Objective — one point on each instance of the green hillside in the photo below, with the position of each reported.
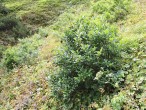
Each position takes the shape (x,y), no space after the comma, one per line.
(72,55)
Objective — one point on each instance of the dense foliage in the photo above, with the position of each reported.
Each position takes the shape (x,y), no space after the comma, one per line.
(89,61)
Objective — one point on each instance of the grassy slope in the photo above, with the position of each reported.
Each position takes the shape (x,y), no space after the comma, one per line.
(27,86)
(38,12)
(32,15)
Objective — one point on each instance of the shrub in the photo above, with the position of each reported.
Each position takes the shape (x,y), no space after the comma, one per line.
(24,53)
(88,62)
(20,31)
(3,10)
(113,10)
(7,23)
(10,22)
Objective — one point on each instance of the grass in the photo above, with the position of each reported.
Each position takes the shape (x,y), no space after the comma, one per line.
(39,12)
(36,13)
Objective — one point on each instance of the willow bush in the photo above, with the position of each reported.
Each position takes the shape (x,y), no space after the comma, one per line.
(88,62)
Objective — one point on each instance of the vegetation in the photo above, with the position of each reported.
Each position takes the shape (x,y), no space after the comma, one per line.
(113,10)
(90,55)
(72,55)
(10,22)
(25,52)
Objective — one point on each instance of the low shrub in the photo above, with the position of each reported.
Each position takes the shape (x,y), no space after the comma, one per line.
(89,64)
(11,26)
(10,22)
(7,23)
(24,53)
(3,9)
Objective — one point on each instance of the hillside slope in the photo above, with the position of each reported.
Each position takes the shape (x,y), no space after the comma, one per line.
(26,86)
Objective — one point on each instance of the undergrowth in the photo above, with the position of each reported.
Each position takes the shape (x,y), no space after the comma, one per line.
(25,52)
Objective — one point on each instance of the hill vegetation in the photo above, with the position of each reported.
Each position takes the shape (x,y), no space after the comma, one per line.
(72,55)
